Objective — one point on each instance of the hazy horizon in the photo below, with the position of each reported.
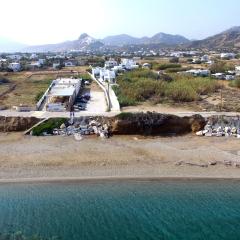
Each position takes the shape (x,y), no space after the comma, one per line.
(45,22)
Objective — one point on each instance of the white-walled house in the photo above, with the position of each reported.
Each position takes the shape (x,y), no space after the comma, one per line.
(70,63)
(129,64)
(220,76)
(198,72)
(205,58)
(33,56)
(34,65)
(41,61)
(15,57)
(111,63)
(237,70)
(228,55)
(16,67)
(96,71)
(117,69)
(107,76)
(56,65)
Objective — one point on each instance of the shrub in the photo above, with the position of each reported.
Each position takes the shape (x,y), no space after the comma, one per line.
(176,70)
(133,88)
(165,66)
(48,126)
(181,92)
(174,60)
(221,67)
(235,83)
(124,115)
(38,96)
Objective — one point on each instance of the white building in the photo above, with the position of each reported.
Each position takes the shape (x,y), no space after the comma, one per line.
(205,58)
(15,57)
(111,63)
(96,71)
(16,67)
(35,65)
(41,61)
(70,63)
(198,72)
(117,69)
(229,77)
(33,56)
(129,64)
(56,65)
(62,94)
(220,76)
(228,55)
(237,70)
(107,76)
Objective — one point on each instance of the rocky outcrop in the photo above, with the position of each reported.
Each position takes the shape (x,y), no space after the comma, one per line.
(156,124)
(15,124)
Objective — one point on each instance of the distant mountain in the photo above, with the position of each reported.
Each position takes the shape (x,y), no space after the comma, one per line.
(83,43)
(7,45)
(86,42)
(169,39)
(227,39)
(160,38)
(120,40)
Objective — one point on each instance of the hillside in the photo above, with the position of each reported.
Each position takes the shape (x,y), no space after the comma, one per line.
(86,42)
(159,38)
(227,39)
(83,43)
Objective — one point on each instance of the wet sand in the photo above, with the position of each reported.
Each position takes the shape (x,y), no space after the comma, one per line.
(26,158)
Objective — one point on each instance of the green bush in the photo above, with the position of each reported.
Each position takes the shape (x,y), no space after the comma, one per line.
(176,70)
(48,126)
(235,83)
(221,67)
(38,96)
(180,92)
(134,88)
(124,115)
(165,66)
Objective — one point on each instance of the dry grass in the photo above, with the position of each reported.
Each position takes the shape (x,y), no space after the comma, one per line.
(26,88)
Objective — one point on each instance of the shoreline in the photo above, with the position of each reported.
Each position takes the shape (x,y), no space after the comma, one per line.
(111,179)
(26,159)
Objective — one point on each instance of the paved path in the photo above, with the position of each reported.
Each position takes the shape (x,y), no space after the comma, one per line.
(44,114)
(97,102)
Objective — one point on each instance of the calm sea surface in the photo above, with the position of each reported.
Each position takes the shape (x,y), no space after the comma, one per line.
(139,210)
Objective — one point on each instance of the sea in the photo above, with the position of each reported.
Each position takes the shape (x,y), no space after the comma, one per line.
(121,210)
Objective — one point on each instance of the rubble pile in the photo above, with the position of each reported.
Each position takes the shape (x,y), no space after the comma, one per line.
(221,127)
(81,127)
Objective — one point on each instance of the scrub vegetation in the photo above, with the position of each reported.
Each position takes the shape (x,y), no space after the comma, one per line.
(142,85)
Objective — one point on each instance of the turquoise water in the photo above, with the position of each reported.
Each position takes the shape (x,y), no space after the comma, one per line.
(138,210)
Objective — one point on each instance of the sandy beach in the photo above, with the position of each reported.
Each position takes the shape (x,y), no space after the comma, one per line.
(26,158)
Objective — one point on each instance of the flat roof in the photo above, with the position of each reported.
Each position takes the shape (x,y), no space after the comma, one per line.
(67,81)
(64,92)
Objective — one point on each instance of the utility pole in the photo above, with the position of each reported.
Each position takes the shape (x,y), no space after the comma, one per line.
(221,99)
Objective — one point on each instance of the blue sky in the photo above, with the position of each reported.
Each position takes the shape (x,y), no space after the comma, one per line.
(50,21)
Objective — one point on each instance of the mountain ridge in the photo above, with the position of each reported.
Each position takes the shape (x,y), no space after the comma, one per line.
(229,38)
